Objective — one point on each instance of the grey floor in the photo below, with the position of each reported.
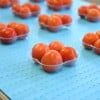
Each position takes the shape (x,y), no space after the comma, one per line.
(94,1)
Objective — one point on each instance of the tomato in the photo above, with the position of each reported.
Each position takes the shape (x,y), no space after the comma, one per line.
(93,6)
(43,20)
(56,4)
(68,53)
(14,1)
(97,46)
(51,61)
(24,12)
(54,23)
(35,9)
(58,15)
(5,3)
(89,40)
(98,33)
(83,10)
(67,3)
(13,25)
(66,19)
(56,45)
(97,43)
(16,9)
(93,15)
(22,30)
(39,50)
(27,4)
(2,26)
(50,2)
(8,35)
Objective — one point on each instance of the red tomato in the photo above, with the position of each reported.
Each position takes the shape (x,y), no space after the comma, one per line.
(89,39)
(93,6)
(2,26)
(54,23)
(67,3)
(66,19)
(68,53)
(98,33)
(24,12)
(8,35)
(39,50)
(27,4)
(13,25)
(14,1)
(43,20)
(5,3)
(93,15)
(55,4)
(58,15)
(16,9)
(56,45)
(22,30)
(35,9)
(49,2)
(51,61)
(83,10)
(97,46)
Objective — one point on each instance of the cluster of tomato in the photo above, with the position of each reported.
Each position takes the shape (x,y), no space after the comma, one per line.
(92,41)
(37,0)
(91,12)
(59,4)
(13,31)
(55,21)
(7,3)
(26,10)
(54,55)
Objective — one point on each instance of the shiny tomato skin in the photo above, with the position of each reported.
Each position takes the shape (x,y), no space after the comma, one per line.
(89,39)
(58,15)
(93,15)
(43,20)
(13,25)
(66,19)
(22,30)
(27,4)
(93,6)
(50,2)
(16,7)
(67,2)
(98,34)
(24,12)
(39,50)
(54,23)
(51,61)
(56,45)
(35,9)
(68,53)
(14,1)
(97,47)
(8,36)
(2,26)
(5,3)
(82,11)
(55,4)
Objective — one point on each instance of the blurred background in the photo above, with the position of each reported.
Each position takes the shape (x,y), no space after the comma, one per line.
(95,1)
